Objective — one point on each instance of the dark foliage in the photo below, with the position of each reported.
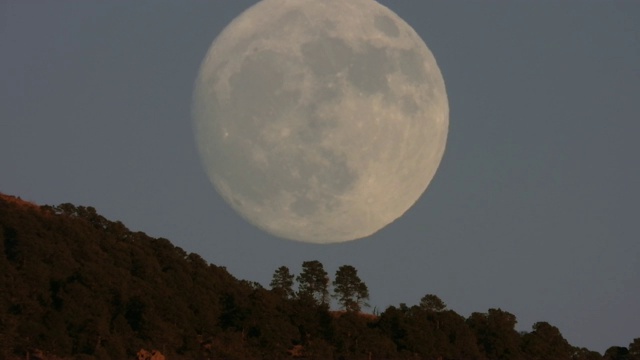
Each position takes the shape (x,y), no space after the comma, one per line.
(313,282)
(350,291)
(76,285)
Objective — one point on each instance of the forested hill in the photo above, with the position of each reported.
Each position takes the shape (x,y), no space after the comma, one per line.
(76,285)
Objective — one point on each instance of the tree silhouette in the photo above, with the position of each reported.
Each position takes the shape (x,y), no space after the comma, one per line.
(282,282)
(431,302)
(313,282)
(496,334)
(546,342)
(634,349)
(351,292)
(617,353)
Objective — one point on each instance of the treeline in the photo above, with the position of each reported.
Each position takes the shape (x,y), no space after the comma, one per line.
(313,286)
(74,285)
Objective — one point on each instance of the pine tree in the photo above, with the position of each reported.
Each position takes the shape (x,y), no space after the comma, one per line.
(282,282)
(432,303)
(313,282)
(351,292)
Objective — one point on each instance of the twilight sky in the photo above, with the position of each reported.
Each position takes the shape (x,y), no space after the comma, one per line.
(534,208)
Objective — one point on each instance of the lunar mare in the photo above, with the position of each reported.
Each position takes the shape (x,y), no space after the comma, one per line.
(320,121)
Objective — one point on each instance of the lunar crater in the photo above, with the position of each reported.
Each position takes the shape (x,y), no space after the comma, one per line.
(386,25)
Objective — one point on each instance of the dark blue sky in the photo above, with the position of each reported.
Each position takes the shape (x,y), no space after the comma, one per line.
(534,208)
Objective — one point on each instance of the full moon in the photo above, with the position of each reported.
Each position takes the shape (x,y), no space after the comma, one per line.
(320,121)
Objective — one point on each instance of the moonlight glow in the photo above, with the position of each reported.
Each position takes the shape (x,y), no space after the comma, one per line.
(320,121)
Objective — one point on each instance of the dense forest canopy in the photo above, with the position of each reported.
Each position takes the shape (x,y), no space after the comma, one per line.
(76,285)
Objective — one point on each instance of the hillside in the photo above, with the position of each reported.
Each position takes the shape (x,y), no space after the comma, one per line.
(76,285)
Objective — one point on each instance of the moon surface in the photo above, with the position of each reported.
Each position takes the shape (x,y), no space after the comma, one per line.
(320,121)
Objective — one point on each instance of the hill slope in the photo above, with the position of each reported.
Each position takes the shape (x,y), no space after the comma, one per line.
(76,285)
